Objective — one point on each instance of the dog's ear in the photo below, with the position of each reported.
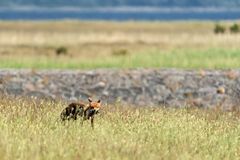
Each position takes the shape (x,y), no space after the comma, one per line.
(99,101)
(89,99)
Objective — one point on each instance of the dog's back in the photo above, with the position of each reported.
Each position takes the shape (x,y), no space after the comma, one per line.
(72,111)
(87,112)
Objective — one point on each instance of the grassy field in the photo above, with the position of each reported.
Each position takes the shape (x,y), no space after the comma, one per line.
(88,45)
(193,59)
(31,129)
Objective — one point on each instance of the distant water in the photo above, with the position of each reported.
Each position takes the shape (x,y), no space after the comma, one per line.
(118,14)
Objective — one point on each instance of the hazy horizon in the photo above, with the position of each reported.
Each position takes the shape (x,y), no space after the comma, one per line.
(121,3)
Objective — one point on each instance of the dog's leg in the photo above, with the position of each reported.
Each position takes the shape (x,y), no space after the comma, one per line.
(92,122)
(82,120)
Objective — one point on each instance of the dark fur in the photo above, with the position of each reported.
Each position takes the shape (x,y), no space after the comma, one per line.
(72,111)
(75,110)
(89,114)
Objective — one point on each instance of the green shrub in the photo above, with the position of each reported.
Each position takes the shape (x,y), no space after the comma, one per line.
(234,28)
(120,52)
(61,51)
(219,29)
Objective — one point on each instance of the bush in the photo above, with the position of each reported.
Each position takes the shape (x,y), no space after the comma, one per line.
(120,52)
(219,29)
(61,51)
(234,28)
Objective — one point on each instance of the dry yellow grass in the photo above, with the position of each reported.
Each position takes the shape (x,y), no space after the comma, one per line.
(23,43)
(31,129)
(89,37)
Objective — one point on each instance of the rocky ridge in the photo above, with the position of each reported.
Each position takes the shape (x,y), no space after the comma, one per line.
(143,87)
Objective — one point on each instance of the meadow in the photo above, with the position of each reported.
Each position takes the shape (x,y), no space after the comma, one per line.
(99,44)
(31,129)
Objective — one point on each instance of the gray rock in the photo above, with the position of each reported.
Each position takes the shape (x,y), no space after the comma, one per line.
(143,87)
(38,94)
(14,88)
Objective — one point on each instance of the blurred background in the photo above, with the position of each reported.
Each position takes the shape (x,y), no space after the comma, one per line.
(54,47)
(119,33)
(120,9)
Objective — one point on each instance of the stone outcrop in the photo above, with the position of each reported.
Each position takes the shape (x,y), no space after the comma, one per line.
(143,87)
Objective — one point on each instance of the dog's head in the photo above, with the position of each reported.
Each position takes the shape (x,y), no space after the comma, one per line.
(94,105)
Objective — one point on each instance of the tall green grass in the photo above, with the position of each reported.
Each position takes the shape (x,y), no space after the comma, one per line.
(182,58)
(31,129)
